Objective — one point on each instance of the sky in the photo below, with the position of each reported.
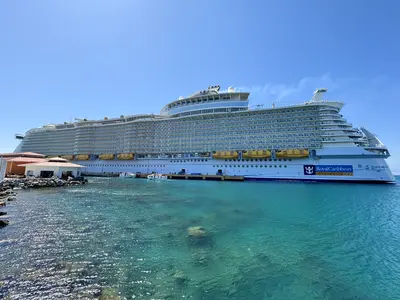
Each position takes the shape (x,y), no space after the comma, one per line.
(61,60)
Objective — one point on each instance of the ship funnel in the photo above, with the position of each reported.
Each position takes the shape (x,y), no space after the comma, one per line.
(318,95)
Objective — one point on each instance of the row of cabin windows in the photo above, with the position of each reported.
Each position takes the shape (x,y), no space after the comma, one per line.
(189,160)
(198,100)
(246,166)
(234,160)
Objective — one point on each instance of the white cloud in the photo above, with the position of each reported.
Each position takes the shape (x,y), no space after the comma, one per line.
(297,92)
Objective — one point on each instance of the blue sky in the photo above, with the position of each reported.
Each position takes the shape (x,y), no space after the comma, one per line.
(90,59)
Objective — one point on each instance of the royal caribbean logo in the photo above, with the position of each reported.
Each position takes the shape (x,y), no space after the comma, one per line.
(309,170)
(328,170)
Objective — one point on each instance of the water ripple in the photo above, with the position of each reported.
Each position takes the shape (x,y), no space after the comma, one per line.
(265,241)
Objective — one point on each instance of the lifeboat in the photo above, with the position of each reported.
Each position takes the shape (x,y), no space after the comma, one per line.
(256,154)
(225,155)
(82,157)
(292,153)
(107,156)
(69,157)
(125,156)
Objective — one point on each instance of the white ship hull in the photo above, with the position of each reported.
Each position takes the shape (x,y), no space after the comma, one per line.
(335,169)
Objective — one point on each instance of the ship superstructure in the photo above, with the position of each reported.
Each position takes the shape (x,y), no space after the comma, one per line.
(214,131)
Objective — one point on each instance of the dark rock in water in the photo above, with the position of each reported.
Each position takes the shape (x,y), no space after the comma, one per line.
(263,257)
(4,222)
(109,294)
(74,182)
(168,235)
(200,257)
(180,278)
(140,220)
(12,198)
(2,213)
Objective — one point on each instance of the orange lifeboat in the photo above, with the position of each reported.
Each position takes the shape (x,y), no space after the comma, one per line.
(107,156)
(82,157)
(256,154)
(125,156)
(292,153)
(225,155)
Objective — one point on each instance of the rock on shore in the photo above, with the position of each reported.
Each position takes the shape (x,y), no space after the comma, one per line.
(3,221)
(6,186)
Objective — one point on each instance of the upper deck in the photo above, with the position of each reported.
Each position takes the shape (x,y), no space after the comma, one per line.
(207,101)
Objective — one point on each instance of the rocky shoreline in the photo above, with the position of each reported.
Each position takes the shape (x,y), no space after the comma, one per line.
(8,189)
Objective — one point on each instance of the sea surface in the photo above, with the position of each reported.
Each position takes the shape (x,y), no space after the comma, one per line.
(263,240)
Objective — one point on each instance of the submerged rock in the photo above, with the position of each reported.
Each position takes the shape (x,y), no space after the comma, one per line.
(201,257)
(11,198)
(109,294)
(199,237)
(197,231)
(180,278)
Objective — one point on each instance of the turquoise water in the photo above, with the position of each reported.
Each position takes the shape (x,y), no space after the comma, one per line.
(265,240)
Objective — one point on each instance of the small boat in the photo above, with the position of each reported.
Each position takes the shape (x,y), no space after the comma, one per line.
(127,175)
(157,177)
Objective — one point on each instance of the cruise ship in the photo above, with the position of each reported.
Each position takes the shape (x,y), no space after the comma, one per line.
(215,131)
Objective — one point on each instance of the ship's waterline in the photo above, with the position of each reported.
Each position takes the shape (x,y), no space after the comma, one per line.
(215,132)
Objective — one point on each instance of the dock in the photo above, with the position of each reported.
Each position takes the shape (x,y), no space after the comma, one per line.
(198,177)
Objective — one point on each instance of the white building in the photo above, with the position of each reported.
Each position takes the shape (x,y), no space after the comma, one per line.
(3,167)
(50,168)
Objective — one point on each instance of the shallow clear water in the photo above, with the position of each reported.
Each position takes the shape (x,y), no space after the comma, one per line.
(267,240)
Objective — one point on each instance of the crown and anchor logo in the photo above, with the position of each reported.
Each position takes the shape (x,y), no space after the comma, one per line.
(309,170)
